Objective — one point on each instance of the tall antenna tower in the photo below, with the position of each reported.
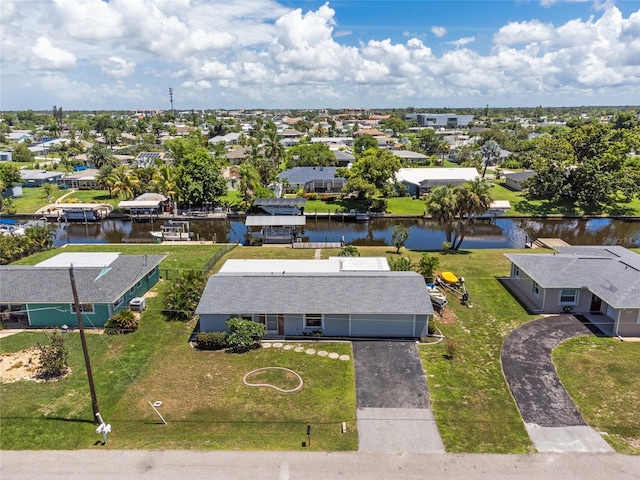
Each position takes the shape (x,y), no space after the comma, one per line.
(171,97)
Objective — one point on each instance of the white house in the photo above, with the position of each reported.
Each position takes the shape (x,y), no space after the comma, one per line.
(421,180)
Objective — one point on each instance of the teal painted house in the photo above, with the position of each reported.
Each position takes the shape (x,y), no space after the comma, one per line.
(42,296)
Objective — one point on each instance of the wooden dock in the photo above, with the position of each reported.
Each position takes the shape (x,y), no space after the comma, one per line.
(549,243)
(316,245)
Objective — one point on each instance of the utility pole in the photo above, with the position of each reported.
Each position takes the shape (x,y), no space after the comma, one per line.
(92,388)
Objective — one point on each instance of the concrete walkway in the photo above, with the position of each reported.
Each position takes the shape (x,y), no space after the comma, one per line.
(393,413)
(552,419)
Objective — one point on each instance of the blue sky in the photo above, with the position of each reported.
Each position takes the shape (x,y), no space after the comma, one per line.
(125,54)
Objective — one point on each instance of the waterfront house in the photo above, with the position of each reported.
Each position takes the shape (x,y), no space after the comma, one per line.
(600,282)
(41,295)
(340,296)
(421,180)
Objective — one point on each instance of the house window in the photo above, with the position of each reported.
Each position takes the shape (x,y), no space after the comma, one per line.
(84,308)
(516,271)
(139,284)
(132,289)
(535,289)
(118,302)
(568,296)
(313,320)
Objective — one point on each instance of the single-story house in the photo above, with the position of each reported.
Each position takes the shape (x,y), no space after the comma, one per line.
(421,180)
(41,294)
(514,180)
(601,282)
(408,156)
(342,297)
(5,156)
(237,155)
(149,159)
(36,178)
(230,138)
(83,180)
(313,179)
(343,158)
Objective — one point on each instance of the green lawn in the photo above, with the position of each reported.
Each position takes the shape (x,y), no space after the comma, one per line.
(472,404)
(204,400)
(523,207)
(602,377)
(93,196)
(34,198)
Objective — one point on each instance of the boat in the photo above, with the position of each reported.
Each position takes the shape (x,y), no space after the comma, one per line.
(438,298)
(452,282)
(174,231)
(11,229)
(357,216)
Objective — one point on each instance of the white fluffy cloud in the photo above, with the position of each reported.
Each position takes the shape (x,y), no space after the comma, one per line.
(117,67)
(439,31)
(260,53)
(48,57)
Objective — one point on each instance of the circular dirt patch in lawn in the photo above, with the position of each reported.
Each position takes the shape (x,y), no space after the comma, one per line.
(446,316)
(23,365)
(278,378)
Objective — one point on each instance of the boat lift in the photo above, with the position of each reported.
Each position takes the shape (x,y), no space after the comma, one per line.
(455,284)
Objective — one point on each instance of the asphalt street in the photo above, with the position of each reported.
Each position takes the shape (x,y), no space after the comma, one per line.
(192,465)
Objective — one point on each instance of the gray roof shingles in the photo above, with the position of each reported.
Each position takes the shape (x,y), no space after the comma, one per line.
(612,273)
(329,293)
(308,174)
(31,284)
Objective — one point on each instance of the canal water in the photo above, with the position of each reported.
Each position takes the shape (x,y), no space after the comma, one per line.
(423,234)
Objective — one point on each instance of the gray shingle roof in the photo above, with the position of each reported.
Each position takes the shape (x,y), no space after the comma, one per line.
(520,176)
(612,273)
(307,174)
(31,284)
(289,293)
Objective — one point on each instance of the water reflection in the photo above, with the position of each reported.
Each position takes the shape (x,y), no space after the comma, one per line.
(423,234)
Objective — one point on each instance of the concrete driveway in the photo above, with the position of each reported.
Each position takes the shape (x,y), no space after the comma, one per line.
(552,419)
(392,397)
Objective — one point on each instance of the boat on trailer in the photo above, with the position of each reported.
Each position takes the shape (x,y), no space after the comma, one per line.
(455,284)
(437,296)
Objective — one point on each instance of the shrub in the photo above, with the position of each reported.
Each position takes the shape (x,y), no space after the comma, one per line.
(311,196)
(451,348)
(378,205)
(244,334)
(54,357)
(349,251)
(212,340)
(427,265)
(402,264)
(327,198)
(124,321)
(184,296)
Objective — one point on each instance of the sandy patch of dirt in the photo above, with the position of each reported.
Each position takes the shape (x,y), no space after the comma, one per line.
(446,317)
(22,365)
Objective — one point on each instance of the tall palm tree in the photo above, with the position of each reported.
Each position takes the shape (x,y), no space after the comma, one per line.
(124,184)
(164,181)
(273,149)
(442,206)
(473,199)
(249,180)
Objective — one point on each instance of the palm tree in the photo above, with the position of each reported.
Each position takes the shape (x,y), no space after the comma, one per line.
(165,181)
(273,149)
(473,199)
(249,180)
(490,151)
(124,184)
(442,206)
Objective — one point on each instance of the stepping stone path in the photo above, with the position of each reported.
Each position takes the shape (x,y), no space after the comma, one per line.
(308,351)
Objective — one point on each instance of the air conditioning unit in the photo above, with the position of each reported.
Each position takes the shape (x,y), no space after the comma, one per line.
(137,304)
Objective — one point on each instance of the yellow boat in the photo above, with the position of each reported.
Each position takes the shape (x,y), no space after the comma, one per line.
(449,277)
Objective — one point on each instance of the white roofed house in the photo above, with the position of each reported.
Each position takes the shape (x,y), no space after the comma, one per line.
(602,283)
(336,297)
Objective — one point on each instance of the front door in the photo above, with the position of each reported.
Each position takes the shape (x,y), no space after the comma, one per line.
(596,304)
(272,323)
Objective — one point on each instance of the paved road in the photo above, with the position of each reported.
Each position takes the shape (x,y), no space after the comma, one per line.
(552,419)
(393,413)
(175,464)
